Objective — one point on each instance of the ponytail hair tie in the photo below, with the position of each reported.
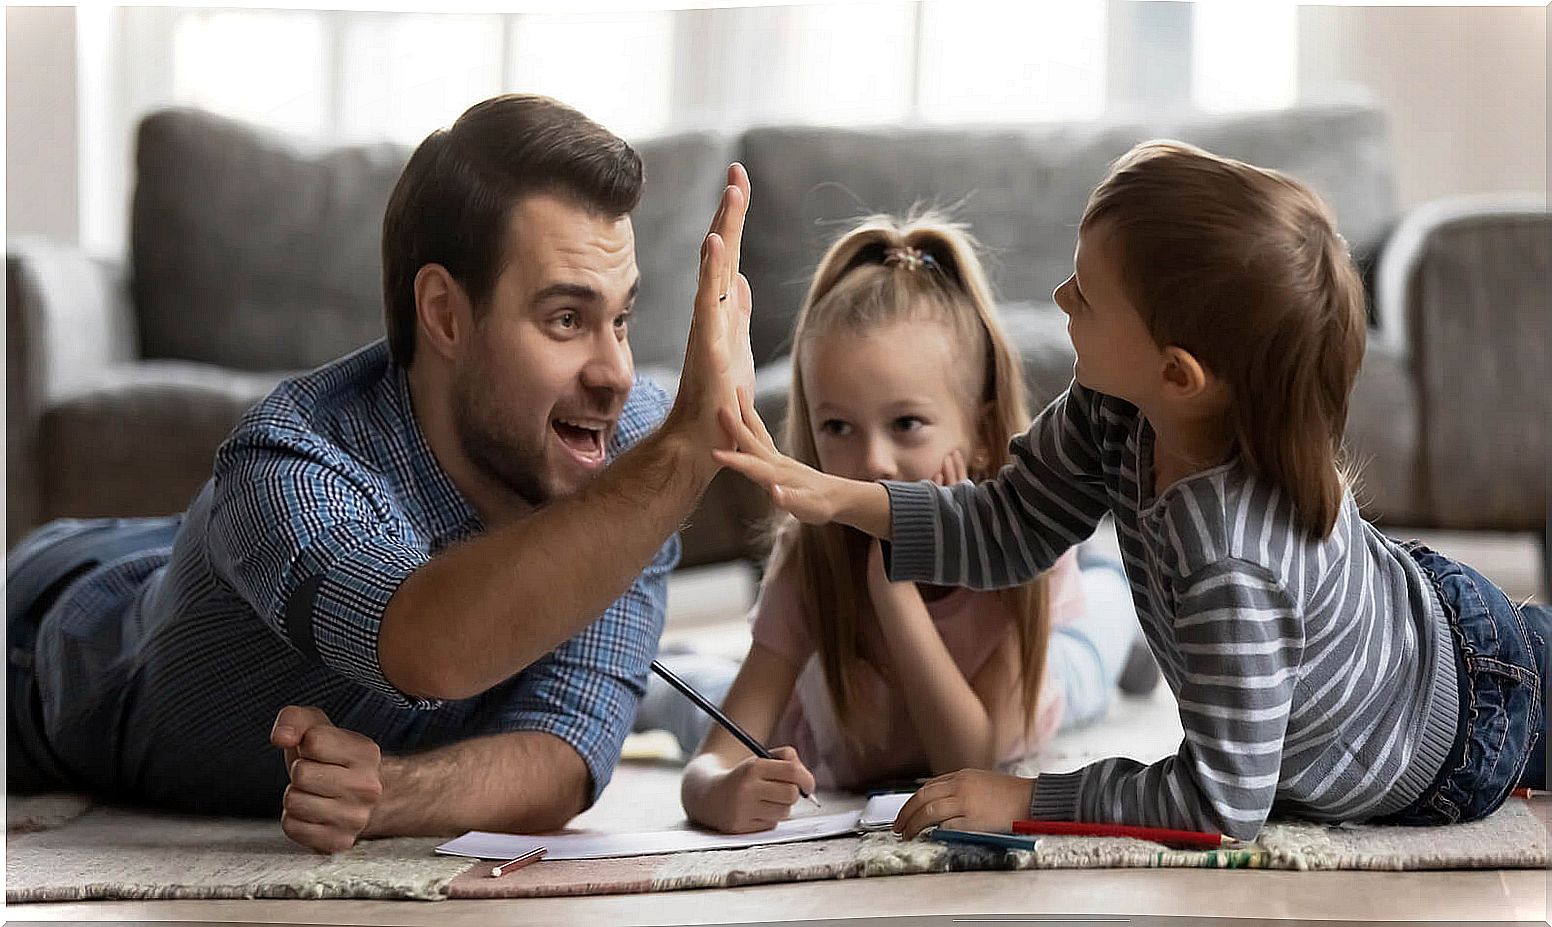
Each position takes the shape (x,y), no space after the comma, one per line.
(910,258)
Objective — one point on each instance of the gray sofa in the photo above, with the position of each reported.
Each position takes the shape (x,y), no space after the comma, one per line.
(253,257)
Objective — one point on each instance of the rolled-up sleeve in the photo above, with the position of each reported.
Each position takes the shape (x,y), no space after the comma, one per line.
(311,549)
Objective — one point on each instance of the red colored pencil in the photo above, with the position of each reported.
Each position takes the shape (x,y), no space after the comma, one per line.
(512,865)
(1530,793)
(1179,838)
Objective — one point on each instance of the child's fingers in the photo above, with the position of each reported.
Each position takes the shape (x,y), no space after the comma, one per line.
(781,794)
(932,804)
(750,466)
(753,421)
(744,439)
(953,469)
(793,770)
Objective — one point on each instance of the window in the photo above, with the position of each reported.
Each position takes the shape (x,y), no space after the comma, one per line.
(1245,55)
(260,66)
(992,62)
(613,67)
(399,77)
(341,76)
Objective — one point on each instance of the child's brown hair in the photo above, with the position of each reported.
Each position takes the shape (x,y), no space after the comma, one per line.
(1243,267)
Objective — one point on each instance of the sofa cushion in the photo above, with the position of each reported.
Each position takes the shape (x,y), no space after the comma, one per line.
(141,438)
(251,251)
(1020,189)
(256,252)
(1382,440)
(685,175)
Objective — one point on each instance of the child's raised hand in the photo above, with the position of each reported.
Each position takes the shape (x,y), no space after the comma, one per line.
(757,794)
(970,799)
(799,490)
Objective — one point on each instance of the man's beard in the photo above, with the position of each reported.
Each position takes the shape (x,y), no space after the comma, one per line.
(502,458)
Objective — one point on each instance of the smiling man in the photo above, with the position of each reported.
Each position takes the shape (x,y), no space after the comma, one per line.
(392,610)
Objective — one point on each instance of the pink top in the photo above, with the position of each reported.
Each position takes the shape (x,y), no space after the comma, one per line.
(972,624)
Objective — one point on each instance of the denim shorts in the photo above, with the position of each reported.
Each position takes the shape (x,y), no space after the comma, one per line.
(1500,664)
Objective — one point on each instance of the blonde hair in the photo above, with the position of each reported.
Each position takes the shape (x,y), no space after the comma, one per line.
(1243,267)
(884,271)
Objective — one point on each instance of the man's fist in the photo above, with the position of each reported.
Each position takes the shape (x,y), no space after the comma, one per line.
(335,779)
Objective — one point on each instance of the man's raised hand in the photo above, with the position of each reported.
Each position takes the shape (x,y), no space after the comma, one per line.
(718,359)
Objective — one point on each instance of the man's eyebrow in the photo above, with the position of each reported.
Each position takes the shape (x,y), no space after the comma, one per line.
(580,291)
(568,290)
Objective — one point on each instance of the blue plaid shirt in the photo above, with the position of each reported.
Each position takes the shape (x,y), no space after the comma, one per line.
(161,673)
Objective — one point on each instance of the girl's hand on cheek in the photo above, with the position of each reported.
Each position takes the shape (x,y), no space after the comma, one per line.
(953,470)
(971,799)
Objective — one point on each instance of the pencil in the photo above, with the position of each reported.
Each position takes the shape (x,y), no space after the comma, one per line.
(1183,838)
(704,704)
(1529,793)
(512,865)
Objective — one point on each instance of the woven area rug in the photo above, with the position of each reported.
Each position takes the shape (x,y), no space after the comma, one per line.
(1514,838)
(67,850)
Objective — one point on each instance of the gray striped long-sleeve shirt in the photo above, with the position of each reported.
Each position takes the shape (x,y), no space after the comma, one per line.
(1316,677)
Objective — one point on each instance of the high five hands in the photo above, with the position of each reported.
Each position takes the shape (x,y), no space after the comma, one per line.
(811,496)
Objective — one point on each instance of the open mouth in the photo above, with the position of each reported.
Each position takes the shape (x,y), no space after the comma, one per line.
(584,438)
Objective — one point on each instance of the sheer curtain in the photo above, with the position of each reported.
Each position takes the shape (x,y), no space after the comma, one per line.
(344,76)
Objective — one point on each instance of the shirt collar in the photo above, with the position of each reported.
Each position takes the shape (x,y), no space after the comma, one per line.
(451,518)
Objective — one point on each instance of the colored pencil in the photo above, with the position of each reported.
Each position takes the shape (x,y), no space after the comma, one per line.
(1180,838)
(512,865)
(981,838)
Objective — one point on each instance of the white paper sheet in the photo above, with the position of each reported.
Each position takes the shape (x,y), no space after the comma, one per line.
(882,810)
(484,845)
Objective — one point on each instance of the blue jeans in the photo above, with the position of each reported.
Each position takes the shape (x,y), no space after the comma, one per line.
(38,570)
(1501,667)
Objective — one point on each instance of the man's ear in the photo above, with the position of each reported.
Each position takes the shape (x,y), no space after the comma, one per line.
(1185,377)
(443,314)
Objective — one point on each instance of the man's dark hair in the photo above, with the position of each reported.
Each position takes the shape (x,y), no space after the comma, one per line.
(452,204)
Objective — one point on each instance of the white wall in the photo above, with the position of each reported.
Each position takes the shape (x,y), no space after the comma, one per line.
(41,136)
(1465,89)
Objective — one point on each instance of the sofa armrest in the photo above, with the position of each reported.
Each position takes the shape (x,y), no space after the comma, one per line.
(68,314)
(67,318)
(1463,295)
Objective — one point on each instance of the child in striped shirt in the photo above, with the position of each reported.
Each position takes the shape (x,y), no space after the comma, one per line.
(1321,669)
